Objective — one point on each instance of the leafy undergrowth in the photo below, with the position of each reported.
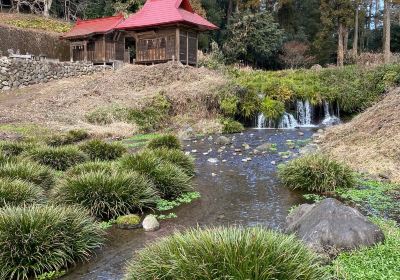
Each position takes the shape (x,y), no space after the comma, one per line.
(378,262)
(37,22)
(374,198)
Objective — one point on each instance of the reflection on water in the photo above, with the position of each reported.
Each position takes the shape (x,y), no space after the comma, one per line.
(233,192)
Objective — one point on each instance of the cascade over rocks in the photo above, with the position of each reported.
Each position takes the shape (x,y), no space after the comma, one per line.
(329,227)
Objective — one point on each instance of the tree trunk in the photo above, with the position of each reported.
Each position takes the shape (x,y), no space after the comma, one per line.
(340,52)
(386,34)
(355,38)
(47,7)
(237,6)
(230,9)
(377,10)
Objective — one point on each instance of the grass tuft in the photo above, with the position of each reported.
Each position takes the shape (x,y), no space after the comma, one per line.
(316,173)
(91,166)
(108,196)
(226,253)
(28,171)
(167,141)
(39,239)
(17,192)
(71,137)
(12,148)
(177,157)
(100,150)
(168,178)
(59,158)
(231,126)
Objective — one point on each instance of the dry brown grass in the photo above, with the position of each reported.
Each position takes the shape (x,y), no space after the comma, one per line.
(63,104)
(371,141)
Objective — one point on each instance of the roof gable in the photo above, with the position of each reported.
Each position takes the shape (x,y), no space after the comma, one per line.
(162,12)
(89,27)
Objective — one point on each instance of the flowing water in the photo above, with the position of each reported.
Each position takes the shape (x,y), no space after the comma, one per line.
(234,191)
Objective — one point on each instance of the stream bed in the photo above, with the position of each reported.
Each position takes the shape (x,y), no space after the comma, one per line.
(237,187)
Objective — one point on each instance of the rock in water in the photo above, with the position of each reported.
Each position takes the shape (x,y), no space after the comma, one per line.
(150,223)
(264,147)
(222,140)
(329,227)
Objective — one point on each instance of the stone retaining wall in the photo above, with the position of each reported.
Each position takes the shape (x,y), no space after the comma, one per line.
(16,73)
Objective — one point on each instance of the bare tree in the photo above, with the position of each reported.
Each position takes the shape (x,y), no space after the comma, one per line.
(386,31)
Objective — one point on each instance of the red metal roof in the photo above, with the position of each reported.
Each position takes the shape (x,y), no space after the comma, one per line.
(162,12)
(84,28)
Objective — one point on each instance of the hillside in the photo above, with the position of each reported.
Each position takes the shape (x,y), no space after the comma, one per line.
(370,142)
(63,104)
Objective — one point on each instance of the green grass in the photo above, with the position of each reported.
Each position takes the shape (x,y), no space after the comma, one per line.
(169,179)
(374,198)
(28,171)
(316,173)
(17,192)
(177,157)
(39,239)
(226,253)
(139,140)
(166,141)
(13,148)
(91,166)
(100,150)
(231,126)
(165,205)
(30,131)
(59,158)
(70,137)
(108,196)
(378,262)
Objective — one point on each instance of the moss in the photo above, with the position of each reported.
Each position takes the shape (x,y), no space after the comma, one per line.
(130,220)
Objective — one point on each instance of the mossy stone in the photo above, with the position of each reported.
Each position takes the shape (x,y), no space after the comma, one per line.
(131,221)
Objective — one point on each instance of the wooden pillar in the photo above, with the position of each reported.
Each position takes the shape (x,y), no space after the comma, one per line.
(177,44)
(104,46)
(85,56)
(71,52)
(187,47)
(197,48)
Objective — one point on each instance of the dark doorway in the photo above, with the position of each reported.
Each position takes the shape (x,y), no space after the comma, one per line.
(130,49)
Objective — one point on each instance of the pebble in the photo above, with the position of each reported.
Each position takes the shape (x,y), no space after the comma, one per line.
(273,162)
(213,160)
(194,151)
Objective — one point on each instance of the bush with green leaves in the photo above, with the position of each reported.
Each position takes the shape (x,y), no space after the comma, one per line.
(14,148)
(58,158)
(231,126)
(98,149)
(316,173)
(43,238)
(226,253)
(91,166)
(28,171)
(71,137)
(272,109)
(170,180)
(108,196)
(16,192)
(177,157)
(167,141)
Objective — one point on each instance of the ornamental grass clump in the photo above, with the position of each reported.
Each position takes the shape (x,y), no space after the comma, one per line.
(58,158)
(177,157)
(231,126)
(28,171)
(17,192)
(167,141)
(100,150)
(91,166)
(316,173)
(71,137)
(226,253)
(42,238)
(170,180)
(108,196)
(12,148)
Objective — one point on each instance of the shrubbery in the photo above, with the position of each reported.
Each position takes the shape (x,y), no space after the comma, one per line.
(28,171)
(17,192)
(91,166)
(169,179)
(59,158)
(38,239)
(100,150)
(316,173)
(106,195)
(231,126)
(71,137)
(165,141)
(177,157)
(226,253)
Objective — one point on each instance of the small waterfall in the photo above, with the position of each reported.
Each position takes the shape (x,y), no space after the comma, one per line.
(288,121)
(329,119)
(261,121)
(304,113)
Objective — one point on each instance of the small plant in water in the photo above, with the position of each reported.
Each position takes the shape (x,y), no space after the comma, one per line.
(52,275)
(164,205)
(166,217)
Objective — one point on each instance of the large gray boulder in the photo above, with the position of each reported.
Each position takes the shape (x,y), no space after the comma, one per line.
(223,140)
(329,227)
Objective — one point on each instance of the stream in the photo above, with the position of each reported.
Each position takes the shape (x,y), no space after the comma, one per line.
(240,189)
